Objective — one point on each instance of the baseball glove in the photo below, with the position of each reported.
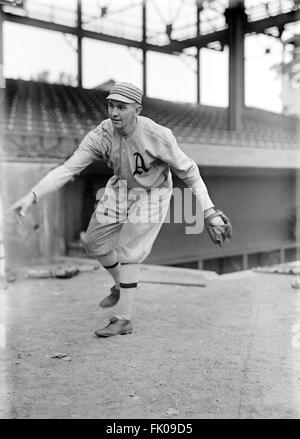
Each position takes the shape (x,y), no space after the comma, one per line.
(218,233)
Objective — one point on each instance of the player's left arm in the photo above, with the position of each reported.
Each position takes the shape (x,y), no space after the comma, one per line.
(217,223)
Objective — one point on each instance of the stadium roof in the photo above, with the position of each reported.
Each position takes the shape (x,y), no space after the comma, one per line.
(171,24)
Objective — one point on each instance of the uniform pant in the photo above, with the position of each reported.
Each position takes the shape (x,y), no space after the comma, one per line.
(127,220)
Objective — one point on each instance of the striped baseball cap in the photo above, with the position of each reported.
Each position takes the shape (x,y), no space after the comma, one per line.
(126,92)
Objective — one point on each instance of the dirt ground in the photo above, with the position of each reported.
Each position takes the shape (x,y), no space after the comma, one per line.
(226,350)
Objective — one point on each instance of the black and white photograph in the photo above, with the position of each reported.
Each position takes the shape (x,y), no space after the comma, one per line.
(149,212)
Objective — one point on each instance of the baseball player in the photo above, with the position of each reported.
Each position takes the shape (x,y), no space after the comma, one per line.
(141,153)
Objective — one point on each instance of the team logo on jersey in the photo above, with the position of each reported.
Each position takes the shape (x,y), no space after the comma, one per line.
(140,166)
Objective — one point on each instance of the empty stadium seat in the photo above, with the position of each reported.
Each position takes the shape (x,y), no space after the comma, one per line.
(63,114)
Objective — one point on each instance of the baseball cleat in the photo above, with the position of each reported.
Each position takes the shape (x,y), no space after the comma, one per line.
(115,327)
(112,299)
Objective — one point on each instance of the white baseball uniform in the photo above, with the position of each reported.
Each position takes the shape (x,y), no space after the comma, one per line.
(141,161)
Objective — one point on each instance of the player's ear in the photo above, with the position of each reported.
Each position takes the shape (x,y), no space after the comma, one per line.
(138,109)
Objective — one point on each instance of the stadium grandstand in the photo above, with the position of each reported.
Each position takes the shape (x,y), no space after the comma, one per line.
(249,158)
(58,113)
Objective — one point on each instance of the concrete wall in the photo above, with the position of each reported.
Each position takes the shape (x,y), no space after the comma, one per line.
(42,235)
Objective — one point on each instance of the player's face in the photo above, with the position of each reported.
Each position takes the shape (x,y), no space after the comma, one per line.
(122,115)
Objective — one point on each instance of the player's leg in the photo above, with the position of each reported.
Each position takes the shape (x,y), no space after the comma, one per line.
(101,241)
(103,233)
(111,264)
(135,243)
(129,278)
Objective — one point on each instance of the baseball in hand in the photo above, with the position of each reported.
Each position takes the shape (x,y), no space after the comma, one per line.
(20,207)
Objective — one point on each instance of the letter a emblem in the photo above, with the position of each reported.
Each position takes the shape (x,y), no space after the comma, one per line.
(139,164)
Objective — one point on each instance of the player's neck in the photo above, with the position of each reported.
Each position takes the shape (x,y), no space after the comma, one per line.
(126,131)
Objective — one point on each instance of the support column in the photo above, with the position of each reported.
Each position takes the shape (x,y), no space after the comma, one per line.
(79,44)
(2,252)
(200,265)
(198,76)
(236,19)
(245,262)
(297,219)
(198,85)
(2,85)
(2,81)
(144,24)
(145,72)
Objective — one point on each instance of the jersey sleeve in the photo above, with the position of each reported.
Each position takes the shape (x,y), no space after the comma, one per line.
(185,168)
(54,180)
(90,149)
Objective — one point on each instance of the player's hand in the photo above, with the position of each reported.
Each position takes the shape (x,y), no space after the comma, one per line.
(217,221)
(218,227)
(20,207)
